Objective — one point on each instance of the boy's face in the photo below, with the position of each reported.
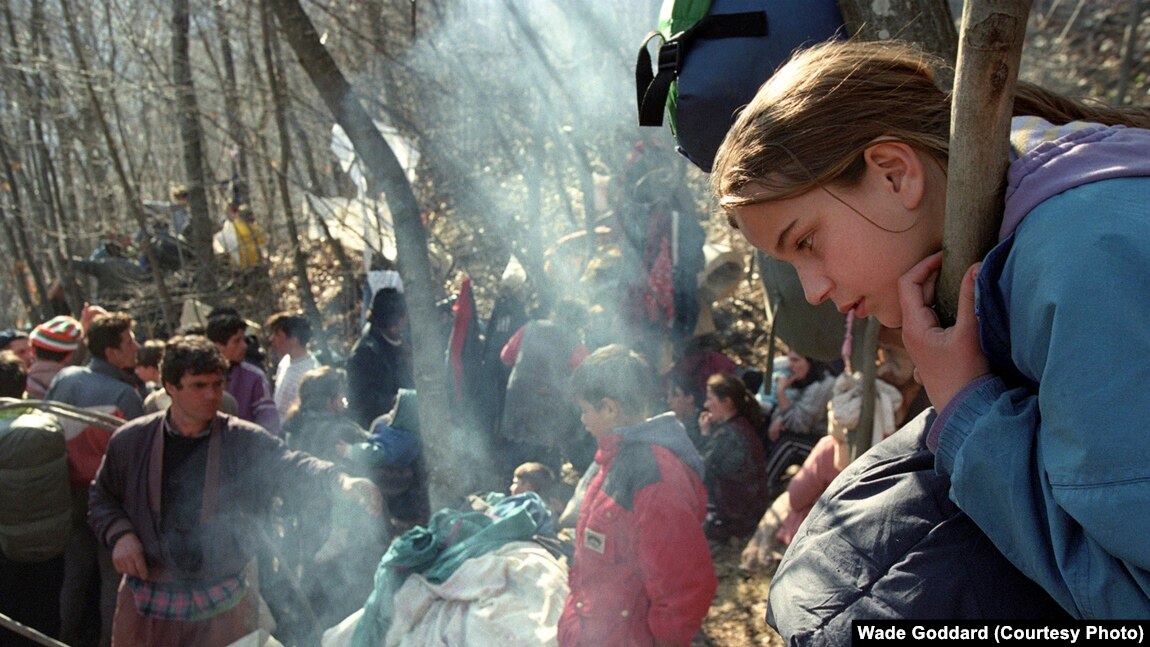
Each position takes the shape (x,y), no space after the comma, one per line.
(148,373)
(279,343)
(681,403)
(235,348)
(519,486)
(599,420)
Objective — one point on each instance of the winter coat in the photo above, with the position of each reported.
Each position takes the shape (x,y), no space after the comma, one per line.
(642,568)
(736,467)
(101,387)
(885,542)
(1049,459)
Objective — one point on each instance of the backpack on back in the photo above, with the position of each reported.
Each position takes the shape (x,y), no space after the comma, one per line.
(714,56)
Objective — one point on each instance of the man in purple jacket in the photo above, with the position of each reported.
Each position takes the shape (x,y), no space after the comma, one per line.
(247,383)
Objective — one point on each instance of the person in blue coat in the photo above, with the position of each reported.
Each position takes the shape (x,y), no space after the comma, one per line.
(838,167)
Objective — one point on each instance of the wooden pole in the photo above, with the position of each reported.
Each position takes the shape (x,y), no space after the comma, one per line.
(989,51)
(863,434)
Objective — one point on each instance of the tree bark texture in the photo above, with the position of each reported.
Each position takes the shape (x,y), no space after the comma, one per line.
(200,222)
(926,22)
(989,52)
(126,184)
(450,478)
(279,105)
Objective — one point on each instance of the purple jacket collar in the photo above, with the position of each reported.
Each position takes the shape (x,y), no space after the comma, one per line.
(1047,160)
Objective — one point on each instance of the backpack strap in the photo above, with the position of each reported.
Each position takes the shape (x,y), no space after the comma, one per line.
(653,87)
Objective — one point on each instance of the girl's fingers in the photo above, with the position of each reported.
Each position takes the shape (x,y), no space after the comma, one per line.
(916,292)
(966,312)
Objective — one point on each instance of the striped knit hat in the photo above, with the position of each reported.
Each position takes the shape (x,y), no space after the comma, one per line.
(60,334)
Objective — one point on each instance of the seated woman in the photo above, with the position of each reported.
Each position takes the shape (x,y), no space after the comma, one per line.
(800,418)
(734,458)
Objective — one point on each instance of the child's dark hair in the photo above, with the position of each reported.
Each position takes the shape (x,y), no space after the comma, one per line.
(539,476)
(687,384)
(190,355)
(46,355)
(730,387)
(319,385)
(388,308)
(150,353)
(618,373)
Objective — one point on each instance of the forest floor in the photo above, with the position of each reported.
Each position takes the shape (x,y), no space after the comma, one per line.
(738,615)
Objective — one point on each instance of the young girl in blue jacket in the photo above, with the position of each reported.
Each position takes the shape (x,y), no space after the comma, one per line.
(838,167)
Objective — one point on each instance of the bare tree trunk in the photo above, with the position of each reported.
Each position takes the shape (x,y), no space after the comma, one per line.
(926,22)
(988,58)
(19,272)
(27,253)
(135,205)
(451,478)
(315,183)
(1129,51)
(200,224)
(279,103)
(231,92)
(21,248)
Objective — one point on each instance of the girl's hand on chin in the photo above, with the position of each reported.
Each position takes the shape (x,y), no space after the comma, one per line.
(945,359)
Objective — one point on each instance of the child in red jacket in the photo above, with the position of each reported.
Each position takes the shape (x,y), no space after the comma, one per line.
(642,572)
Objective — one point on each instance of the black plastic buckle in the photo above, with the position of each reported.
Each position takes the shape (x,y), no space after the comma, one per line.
(670,56)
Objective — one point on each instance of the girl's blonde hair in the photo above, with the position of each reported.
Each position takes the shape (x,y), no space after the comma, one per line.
(810,123)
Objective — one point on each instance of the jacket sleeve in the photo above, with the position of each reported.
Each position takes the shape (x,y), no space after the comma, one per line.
(264,412)
(130,404)
(106,515)
(726,453)
(674,556)
(300,476)
(811,406)
(1057,476)
(359,387)
(814,476)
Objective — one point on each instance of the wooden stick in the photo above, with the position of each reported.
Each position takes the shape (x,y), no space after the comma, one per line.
(989,51)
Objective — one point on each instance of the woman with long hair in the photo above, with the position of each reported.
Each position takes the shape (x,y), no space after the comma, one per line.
(734,458)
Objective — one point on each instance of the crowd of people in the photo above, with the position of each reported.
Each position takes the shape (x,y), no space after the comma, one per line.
(159,533)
